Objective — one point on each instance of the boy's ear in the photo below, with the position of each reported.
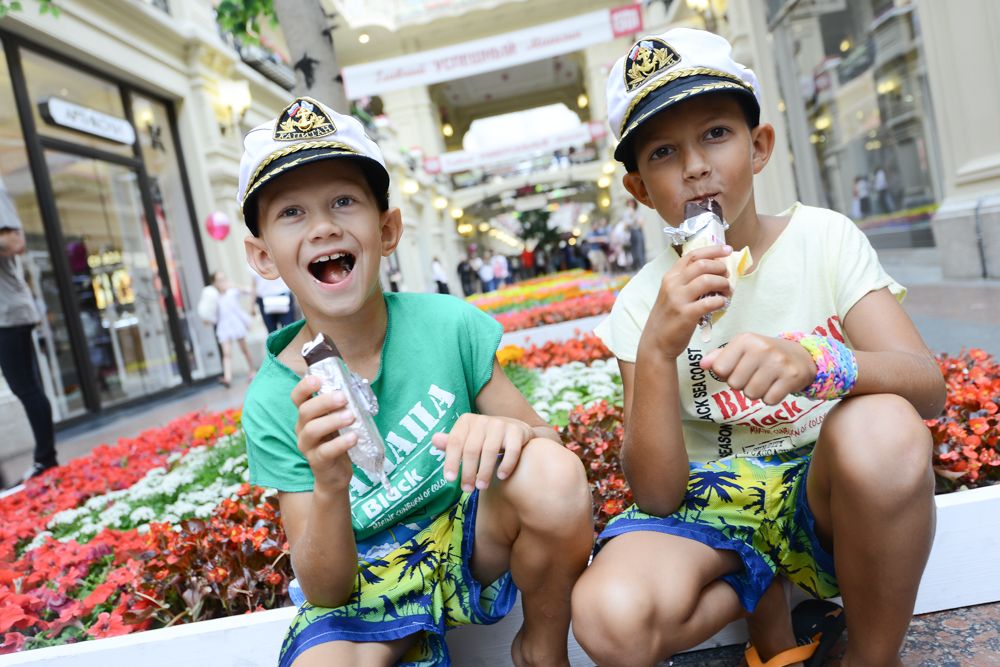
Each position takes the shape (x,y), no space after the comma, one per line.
(391,230)
(259,257)
(762,142)
(637,188)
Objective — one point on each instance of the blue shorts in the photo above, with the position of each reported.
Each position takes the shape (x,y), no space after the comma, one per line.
(756,507)
(423,586)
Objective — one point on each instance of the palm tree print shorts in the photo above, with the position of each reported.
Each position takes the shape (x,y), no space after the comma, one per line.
(756,507)
(423,586)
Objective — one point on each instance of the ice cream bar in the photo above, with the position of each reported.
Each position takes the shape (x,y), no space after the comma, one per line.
(703,226)
(325,362)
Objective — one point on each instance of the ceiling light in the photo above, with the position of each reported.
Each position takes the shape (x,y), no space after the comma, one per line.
(410,187)
(457,213)
(582,101)
(447,130)
(440,203)
(603,182)
(364,38)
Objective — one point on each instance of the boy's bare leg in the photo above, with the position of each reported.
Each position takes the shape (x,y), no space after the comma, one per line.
(369,654)
(649,595)
(539,525)
(770,625)
(227,361)
(871,489)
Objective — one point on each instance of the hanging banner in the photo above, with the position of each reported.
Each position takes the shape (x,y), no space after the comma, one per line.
(456,161)
(493,53)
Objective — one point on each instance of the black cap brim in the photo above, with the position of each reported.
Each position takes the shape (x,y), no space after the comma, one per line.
(675,92)
(375,174)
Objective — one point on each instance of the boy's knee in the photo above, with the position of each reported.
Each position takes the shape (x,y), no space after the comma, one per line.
(549,487)
(881,434)
(614,620)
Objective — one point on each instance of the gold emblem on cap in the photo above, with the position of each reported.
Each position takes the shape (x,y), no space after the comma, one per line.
(649,56)
(303,119)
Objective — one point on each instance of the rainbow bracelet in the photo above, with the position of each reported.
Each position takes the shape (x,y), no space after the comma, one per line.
(836,367)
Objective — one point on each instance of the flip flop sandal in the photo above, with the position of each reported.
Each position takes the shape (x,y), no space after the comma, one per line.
(821,622)
(817,625)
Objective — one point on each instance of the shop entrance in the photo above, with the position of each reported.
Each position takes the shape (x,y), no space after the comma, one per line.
(93,171)
(114,278)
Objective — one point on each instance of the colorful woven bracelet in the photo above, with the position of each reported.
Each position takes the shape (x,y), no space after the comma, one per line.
(836,367)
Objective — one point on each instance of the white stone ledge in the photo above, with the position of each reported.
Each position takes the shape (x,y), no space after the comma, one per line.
(963,570)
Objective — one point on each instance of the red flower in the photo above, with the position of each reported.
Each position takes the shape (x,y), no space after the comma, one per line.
(12,641)
(108,625)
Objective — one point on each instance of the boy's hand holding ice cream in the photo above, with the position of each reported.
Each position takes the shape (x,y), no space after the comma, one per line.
(704,226)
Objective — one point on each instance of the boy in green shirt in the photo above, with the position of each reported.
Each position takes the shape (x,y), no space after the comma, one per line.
(481,492)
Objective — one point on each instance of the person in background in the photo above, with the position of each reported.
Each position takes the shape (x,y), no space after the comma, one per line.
(440,278)
(527,264)
(465,276)
(501,269)
(862,193)
(18,316)
(486,275)
(882,194)
(637,238)
(597,241)
(619,257)
(541,261)
(274,300)
(231,322)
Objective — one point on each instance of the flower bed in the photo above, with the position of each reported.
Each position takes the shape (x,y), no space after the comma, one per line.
(148,532)
(966,435)
(569,295)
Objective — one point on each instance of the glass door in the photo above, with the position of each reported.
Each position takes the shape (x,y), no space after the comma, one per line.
(115,278)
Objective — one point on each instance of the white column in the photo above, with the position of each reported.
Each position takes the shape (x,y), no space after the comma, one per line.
(415,119)
(962,61)
(753,46)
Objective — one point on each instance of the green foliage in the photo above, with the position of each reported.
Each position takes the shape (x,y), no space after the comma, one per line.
(535,225)
(242,18)
(525,379)
(44,7)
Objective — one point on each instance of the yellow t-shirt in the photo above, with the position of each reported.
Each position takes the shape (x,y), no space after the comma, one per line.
(816,270)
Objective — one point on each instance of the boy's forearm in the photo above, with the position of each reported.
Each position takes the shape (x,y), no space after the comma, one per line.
(653,455)
(915,377)
(325,559)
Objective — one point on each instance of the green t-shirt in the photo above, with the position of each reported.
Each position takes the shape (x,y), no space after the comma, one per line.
(437,355)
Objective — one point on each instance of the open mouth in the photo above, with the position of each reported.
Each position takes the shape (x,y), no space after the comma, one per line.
(332,269)
(703,199)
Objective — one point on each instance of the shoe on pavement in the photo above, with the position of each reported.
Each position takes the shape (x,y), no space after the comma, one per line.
(36,469)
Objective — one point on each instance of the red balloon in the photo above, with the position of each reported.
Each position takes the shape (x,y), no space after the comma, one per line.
(217,225)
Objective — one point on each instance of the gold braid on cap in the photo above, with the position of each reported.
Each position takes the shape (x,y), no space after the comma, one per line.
(673,76)
(253,183)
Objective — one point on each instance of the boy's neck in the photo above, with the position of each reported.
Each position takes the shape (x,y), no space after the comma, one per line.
(748,230)
(359,337)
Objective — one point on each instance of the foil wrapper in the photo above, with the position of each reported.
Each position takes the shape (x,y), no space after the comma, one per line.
(704,226)
(325,362)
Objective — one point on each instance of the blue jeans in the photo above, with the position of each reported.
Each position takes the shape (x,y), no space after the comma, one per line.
(274,321)
(20,369)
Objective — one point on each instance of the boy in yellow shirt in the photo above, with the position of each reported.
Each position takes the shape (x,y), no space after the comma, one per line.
(789,441)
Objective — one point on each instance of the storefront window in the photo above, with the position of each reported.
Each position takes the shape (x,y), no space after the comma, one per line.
(869,122)
(114,276)
(52,343)
(96,104)
(159,154)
